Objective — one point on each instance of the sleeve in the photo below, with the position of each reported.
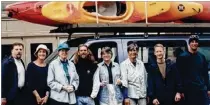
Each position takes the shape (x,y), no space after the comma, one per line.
(75,81)
(31,76)
(179,67)
(96,84)
(205,74)
(4,77)
(52,83)
(124,75)
(177,80)
(151,85)
(47,88)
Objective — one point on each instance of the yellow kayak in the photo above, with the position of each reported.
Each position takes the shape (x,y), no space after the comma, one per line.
(178,11)
(107,11)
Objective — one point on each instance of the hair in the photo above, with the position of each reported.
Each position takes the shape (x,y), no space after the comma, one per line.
(159,45)
(16,44)
(132,46)
(90,55)
(106,50)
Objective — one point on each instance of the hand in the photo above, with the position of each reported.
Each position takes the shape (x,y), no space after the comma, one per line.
(118,82)
(70,88)
(3,101)
(44,100)
(38,99)
(103,83)
(156,102)
(209,93)
(127,101)
(177,97)
(64,88)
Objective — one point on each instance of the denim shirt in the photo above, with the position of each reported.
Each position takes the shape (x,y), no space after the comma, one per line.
(134,78)
(102,74)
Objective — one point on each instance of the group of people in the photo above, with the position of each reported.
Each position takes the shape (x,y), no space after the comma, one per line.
(84,82)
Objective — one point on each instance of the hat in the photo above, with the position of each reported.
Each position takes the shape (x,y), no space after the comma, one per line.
(42,46)
(63,46)
(193,37)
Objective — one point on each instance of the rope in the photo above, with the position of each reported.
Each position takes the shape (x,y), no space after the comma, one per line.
(96,3)
(145,6)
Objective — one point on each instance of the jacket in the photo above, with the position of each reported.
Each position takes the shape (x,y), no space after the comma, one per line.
(57,78)
(134,78)
(9,78)
(102,74)
(163,89)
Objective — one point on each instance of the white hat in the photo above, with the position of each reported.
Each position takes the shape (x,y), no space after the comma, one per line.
(42,46)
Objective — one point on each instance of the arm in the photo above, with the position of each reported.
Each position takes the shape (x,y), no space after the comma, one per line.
(205,74)
(96,84)
(177,79)
(4,77)
(151,85)
(31,76)
(124,81)
(179,68)
(52,83)
(75,81)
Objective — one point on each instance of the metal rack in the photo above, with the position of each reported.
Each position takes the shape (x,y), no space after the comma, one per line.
(198,28)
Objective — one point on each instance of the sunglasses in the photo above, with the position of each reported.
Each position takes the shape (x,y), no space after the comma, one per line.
(194,37)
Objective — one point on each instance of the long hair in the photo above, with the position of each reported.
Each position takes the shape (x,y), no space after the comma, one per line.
(90,55)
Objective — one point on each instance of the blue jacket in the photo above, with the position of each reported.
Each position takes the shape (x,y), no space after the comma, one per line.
(163,89)
(9,78)
(194,71)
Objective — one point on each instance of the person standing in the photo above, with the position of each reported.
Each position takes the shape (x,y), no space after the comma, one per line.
(193,69)
(13,77)
(164,84)
(134,77)
(37,77)
(62,79)
(86,66)
(107,79)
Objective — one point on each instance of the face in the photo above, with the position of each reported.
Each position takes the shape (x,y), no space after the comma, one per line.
(63,53)
(41,54)
(83,52)
(159,52)
(194,45)
(132,54)
(106,56)
(17,51)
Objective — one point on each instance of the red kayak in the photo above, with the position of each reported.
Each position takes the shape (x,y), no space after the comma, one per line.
(205,15)
(30,11)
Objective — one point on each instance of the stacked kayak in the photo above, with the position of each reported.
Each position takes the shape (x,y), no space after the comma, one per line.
(59,13)
(178,11)
(83,12)
(205,15)
(31,12)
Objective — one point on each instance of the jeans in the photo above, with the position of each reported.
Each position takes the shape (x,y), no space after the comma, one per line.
(85,100)
(138,101)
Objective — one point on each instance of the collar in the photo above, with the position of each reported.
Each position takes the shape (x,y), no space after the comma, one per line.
(130,63)
(60,61)
(112,64)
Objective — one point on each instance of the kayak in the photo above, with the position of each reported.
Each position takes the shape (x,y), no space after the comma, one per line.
(29,11)
(177,11)
(106,12)
(205,15)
